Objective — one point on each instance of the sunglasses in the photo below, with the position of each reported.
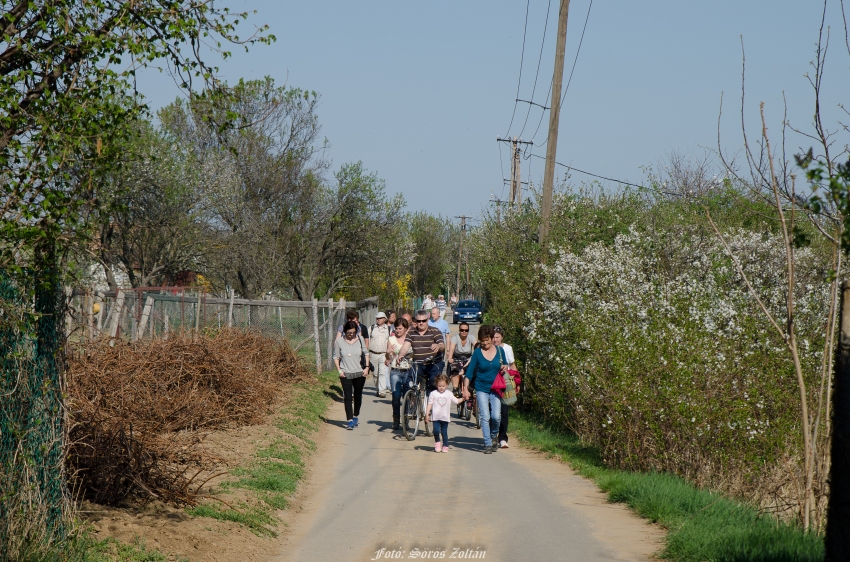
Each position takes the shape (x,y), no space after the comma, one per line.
(350,333)
(463,330)
(421,321)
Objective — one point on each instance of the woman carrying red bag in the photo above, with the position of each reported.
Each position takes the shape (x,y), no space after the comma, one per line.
(498,340)
(481,372)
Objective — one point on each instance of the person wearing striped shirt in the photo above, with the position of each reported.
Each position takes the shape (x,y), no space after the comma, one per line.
(428,345)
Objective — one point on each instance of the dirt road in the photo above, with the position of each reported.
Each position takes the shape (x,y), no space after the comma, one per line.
(373,494)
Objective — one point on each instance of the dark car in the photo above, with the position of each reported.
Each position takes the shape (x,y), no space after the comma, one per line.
(467,311)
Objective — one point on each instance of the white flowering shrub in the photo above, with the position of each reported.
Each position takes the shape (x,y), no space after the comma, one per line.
(652,349)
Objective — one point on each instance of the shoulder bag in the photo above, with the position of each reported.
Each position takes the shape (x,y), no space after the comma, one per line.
(509,393)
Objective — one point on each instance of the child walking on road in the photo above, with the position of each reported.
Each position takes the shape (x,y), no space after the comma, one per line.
(439,409)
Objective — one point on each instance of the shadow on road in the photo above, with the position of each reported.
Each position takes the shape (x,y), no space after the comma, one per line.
(338,423)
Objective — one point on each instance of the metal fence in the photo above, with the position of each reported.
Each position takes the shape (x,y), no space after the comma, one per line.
(133,314)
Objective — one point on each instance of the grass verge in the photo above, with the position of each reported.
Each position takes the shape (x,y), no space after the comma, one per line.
(701,525)
(111,550)
(272,476)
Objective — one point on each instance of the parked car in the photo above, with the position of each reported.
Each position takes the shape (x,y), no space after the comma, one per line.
(467,311)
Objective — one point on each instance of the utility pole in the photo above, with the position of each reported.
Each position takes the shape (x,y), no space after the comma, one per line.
(516,178)
(554,117)
(460,253)
(498,202)
(838,510)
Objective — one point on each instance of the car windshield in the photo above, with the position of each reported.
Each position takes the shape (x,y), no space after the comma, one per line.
(468,304)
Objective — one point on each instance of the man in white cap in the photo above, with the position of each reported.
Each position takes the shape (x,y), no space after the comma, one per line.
(379,336)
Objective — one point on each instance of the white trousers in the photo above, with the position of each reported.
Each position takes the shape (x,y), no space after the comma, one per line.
(383,371)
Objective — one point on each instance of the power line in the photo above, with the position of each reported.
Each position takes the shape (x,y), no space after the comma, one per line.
(521,60)
(570,79)
(578,50)
(537,74)
(671,193)
(589,173)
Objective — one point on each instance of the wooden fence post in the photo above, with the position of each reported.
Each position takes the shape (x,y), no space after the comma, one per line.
(146,314)
(330,330)
(837,540)
(115,314)
(69,318)
(316,336)
(230,309)
(102,303)
(198,313)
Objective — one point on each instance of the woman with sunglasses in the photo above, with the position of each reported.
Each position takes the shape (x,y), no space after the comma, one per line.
(461,347)
(399,367)
(347,353)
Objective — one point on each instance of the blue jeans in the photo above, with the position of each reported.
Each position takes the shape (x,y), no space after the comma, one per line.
(398,386)
(490,414)
(441,428)
(431,371)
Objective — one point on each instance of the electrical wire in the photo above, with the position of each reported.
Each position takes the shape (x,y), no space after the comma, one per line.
(569,80)
(589,173)
(521,60)
(578,50)
(671,193)
(537,74)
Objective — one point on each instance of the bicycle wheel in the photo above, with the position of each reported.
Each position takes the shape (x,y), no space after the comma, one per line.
(410,414)
(475,412)
(423,407)
(467,411)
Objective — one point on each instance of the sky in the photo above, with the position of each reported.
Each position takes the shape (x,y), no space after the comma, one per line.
(419,91)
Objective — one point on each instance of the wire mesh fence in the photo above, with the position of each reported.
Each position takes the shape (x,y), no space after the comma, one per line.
(33,496)
(132,314)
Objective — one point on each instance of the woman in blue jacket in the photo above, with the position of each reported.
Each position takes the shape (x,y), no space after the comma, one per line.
(481,371)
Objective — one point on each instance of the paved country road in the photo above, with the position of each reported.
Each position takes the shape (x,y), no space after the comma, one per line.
(374,493)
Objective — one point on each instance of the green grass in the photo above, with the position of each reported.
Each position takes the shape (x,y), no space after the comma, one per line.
(111,550)
(274,472)
(701,525)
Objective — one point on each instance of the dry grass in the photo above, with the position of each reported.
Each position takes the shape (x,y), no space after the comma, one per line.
(136,410)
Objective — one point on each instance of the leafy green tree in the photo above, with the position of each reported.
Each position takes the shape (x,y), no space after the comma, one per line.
(435,247)
(66,71)
(341,234)
(259,155)
(151,224)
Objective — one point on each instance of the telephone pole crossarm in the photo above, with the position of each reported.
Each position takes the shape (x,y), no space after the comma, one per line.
(516,178)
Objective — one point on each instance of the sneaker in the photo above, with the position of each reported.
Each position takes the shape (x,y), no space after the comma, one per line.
(488,450)
(437,447)
(503,444)
(350,425)
(354,419)
(495,448)
(446,449)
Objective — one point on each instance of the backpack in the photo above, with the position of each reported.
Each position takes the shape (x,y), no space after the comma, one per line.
(378,338)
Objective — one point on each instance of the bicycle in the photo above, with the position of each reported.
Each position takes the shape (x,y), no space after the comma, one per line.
(414,403)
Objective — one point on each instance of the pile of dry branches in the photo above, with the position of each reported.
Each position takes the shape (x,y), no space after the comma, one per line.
(136,408)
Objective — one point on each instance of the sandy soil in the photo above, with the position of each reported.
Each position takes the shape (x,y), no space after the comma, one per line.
(179,535)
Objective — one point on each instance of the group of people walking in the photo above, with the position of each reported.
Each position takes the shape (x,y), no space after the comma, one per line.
(397,349)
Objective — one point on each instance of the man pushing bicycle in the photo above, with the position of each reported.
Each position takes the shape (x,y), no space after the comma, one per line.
(428,345)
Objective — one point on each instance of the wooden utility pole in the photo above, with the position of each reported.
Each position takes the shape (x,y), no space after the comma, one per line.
(498,202)
(554,117)
(516,177)
(837,540)
(460,251)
